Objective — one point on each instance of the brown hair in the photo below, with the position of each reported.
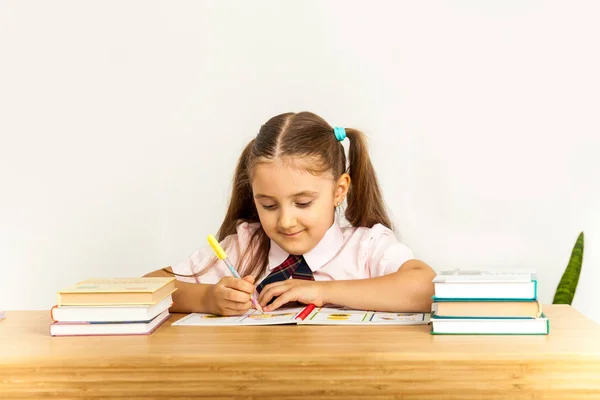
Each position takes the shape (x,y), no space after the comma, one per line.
(301,134)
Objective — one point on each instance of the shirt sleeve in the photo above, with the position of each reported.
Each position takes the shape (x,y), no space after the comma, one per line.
(387,253)
(204,267)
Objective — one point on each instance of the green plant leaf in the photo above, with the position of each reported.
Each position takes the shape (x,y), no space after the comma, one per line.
(567,286)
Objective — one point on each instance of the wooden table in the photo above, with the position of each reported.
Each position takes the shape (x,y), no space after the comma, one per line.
(302,362)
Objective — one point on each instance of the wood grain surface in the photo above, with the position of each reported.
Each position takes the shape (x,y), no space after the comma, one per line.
(300,362)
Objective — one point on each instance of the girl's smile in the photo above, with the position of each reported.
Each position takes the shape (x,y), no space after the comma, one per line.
(292,235)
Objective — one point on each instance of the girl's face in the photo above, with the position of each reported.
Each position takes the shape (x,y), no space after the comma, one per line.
(296,207)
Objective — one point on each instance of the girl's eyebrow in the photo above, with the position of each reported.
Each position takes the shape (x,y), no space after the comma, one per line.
(303,193)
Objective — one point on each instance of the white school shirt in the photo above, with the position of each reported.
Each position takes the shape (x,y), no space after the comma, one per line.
(343,254)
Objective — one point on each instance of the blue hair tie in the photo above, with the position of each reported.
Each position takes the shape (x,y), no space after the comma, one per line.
(339,132)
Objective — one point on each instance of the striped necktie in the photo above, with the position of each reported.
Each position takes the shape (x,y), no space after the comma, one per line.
(294,266)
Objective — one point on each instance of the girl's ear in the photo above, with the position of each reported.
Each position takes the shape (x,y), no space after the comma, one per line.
(341,189)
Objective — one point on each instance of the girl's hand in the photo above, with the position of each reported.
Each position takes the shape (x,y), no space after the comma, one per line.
(231,296)
(302,291)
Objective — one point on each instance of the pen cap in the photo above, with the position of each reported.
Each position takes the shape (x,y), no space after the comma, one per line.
(216,247)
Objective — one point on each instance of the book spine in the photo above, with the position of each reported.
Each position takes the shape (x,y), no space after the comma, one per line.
(52,313)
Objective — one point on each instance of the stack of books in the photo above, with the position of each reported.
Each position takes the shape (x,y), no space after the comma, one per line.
(122,306)
(487,302)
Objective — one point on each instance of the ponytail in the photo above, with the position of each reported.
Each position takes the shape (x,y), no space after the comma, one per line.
(365,200)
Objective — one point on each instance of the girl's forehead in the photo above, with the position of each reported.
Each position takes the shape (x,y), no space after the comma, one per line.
(293,165)
(291,175)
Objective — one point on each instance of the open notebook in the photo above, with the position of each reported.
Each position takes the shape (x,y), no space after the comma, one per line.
(307,316)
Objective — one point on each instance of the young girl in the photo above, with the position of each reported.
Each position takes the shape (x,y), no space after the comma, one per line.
(281,231)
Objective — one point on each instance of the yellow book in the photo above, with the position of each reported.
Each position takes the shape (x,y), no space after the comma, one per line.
(117,291)
(487,309)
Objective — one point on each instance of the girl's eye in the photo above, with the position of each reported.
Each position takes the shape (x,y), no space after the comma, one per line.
(271,207)
(304,205)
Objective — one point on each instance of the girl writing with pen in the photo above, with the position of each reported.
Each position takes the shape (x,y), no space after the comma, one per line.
(282,233)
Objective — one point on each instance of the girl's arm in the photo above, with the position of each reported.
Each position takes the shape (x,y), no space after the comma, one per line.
(409,289)
(189,297)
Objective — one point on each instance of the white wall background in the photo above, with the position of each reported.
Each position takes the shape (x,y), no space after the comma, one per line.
(121,122)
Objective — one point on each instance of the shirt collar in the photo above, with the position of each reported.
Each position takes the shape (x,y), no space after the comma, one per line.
(320,255)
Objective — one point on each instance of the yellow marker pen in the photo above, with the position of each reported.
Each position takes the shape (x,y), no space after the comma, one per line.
(223,256)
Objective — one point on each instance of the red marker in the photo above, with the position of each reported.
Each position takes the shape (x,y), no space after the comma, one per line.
(305,313)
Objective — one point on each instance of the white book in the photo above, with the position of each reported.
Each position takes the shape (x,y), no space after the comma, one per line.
(129,313)
(490,326)
(486,284)
(108,328)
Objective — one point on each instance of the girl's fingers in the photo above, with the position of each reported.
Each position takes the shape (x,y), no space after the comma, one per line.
(273,292)
(236,296)
(241,285)
(288,296)
(267,292)
(240,308)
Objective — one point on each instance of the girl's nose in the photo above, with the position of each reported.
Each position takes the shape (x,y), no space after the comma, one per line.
(287,220)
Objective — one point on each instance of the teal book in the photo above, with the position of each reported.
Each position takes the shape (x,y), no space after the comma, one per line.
(480,285)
